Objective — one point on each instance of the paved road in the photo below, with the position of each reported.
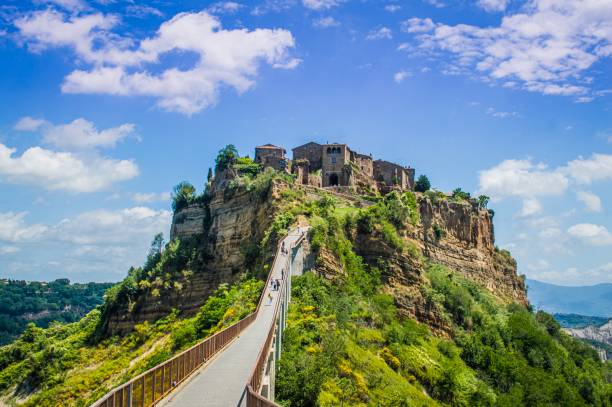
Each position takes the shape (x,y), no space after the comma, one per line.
(221,382)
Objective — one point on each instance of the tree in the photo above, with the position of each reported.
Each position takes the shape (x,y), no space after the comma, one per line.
(483,201)
(157,244)
(209,175)
(226,156)
(460,194)
(183,195)
(422,184)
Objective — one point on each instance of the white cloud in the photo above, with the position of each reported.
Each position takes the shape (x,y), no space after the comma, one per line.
(120,65)
(399,77)
(392,8)
(500,115)
(380,34)
(143,11)
(591,234)
(545,47)
(435,3)
(62,170)
(225,7)
(99,244)
(588,170)
(82,134)
(151,197)
(13,228)
(325,22)
(531,206)
(69,5)
(575,276)
(591,201)
(321,4)
(8,249)
(538,265)
(112,227)
(521,178)
(28,123)
(417,25)
(493,5)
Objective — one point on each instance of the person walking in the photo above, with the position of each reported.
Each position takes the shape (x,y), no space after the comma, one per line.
(269,298)
(282,274)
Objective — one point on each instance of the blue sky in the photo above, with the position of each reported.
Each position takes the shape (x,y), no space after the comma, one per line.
(108,104)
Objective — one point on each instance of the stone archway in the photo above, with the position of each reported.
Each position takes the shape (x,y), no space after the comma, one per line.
(333,180)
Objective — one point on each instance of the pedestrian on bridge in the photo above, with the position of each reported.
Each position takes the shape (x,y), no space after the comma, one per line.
(269,298)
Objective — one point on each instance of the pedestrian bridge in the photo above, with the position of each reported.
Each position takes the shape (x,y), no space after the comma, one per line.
(234,367)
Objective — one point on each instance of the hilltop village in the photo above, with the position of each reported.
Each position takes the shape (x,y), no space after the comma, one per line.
(336,165)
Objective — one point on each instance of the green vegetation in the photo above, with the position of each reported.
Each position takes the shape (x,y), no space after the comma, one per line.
(182,195)
(579,321)
(422,184)
(22,302)
(346,343)
(227,155)
(460,195)
(68,362)
(483,201)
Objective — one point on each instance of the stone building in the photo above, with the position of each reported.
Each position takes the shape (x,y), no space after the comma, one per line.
(311,152)
(273,156)
(336,165)
(391,174)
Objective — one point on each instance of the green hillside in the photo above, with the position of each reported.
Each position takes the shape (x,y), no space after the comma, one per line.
(41,303)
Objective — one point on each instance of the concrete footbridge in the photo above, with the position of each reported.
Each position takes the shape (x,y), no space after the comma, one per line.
(234,367)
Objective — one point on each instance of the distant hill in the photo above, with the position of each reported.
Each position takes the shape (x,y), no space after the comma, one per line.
(579,321)
(22,302)
(594,300)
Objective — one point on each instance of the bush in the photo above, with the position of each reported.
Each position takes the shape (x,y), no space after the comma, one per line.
(183,195)
(226,156)
(460,195)
(422,184)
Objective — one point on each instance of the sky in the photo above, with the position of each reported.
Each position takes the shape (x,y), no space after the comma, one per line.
(107,104)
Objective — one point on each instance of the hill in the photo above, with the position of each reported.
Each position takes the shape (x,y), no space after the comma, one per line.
(24,302)
(406,302)
(595,300)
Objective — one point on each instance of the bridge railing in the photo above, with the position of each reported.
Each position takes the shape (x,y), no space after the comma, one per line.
(254,385)
(148,388)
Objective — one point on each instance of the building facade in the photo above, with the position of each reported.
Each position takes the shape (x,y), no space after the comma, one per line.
(273,156)
(336,165)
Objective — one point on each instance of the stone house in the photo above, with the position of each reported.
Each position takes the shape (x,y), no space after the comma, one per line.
(336,165)
(273,156)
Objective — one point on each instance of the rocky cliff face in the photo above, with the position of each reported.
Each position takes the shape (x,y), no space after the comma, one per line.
(457,235)
(601,335)
(461,237)
(233,221)
(226,230)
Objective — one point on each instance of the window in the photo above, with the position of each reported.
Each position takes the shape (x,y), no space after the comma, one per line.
(333,160)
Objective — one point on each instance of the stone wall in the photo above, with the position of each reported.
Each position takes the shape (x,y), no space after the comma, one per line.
(336,158)
(311,152)
(391,174)
(271,157)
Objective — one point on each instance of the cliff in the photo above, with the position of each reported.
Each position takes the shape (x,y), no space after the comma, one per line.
(457,235)
(224,231)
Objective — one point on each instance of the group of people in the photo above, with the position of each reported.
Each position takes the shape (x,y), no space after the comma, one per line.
(275,283)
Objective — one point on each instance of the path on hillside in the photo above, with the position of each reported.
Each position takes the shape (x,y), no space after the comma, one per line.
(222,381)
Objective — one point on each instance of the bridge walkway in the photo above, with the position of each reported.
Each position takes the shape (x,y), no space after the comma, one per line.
(221,381)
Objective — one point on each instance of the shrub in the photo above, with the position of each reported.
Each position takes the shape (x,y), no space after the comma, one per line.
(226,156)
(183,195)
(460,195)
(422,184)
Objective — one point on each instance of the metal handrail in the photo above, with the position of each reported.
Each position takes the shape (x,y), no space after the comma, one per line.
(148,388)
(253,398)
